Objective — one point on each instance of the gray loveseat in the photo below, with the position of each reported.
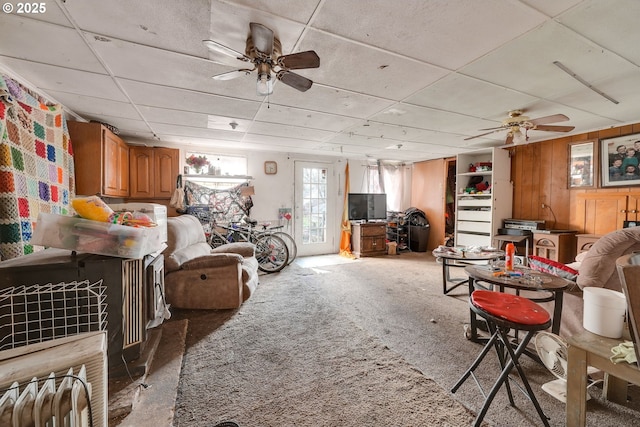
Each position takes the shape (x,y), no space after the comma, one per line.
(198,277)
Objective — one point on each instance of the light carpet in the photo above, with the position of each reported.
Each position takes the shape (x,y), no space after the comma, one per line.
(288,357)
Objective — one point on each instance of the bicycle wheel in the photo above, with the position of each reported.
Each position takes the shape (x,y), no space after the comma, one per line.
(291,245)
(216,239)
(271,252)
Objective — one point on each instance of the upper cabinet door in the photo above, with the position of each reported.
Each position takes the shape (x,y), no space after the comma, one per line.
(141,172)
(166,165)
(101,160)
(153,172)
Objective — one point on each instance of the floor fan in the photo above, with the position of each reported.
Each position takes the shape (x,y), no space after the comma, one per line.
(552,350)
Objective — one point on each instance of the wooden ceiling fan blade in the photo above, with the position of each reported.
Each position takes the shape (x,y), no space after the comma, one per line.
(220,48)
(551,128)
(232,74)
(509,139)
(486,133)
(296,81)
(497,127)
(262,38)
(550,119)
(297,61)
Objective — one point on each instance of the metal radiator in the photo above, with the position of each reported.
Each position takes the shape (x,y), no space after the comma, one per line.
(72,394)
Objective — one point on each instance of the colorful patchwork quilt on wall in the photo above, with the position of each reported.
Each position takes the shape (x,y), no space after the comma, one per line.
(36,166)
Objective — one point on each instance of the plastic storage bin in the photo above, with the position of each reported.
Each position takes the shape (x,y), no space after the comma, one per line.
(156,211)
(102,238)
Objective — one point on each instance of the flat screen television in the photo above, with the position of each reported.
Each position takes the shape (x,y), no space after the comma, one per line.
(367,206)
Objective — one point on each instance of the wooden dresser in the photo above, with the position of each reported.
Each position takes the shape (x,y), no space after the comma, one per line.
(368,239)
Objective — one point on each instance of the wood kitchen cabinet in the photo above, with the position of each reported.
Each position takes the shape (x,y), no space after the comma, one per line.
(600,213)
(101,160)
(369,239)
(153,172)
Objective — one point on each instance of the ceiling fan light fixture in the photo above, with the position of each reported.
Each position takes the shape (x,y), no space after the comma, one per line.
(519,137)
(264,85)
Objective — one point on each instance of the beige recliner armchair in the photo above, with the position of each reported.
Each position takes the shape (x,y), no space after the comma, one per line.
(198,277)
(597,267)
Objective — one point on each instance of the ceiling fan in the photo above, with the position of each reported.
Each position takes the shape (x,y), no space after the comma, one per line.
(263,50)
(516,122)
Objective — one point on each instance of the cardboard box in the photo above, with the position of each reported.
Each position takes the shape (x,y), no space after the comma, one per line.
(102,238)
(392,248)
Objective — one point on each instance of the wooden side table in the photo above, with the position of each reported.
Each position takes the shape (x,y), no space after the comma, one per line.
(585,241)
(560,247)
(588,349)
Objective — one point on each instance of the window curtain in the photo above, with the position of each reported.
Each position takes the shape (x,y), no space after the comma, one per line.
(390,179)
(36,165)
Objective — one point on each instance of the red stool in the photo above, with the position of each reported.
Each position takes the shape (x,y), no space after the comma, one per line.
(503,312)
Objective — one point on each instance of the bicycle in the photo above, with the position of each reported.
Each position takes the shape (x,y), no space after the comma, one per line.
(288,239)
(271,251)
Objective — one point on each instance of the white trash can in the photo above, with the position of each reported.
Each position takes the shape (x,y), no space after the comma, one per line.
(604,311)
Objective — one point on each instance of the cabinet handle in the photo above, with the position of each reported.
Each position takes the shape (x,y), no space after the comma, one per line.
(623,211)
(633,211)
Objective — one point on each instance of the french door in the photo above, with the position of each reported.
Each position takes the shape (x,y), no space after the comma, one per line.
(315,227)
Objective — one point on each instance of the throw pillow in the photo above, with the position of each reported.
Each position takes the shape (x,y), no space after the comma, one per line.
(550,266)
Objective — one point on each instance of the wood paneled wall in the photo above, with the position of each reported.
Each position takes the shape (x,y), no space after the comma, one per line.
(540,176)
(428,190)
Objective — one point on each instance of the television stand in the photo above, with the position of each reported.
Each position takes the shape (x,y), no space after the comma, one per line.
(369,239)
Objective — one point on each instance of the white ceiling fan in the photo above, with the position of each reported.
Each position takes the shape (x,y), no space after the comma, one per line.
(263,50)
(517,121)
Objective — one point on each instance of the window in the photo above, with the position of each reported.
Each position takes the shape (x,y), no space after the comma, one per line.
(218,165)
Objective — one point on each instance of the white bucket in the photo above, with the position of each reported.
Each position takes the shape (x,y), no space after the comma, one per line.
(604,311)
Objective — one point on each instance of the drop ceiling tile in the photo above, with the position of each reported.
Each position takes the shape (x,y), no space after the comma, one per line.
(230,26)
(52,13)
(448,34)
(173,117)
(296,10)
(184,131)
(166,24)
(278,141)
(87,105)
(465,95)
(364,69)
(168,68)
(616,21)
(49,77)
(124,126)
(47,43)
(187,100)
(329,100)
(551,7)
(514,67)
(430,119)
(287,131)
(305,118)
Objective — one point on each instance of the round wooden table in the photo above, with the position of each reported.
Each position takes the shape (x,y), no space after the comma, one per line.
(451,258)
(531,280)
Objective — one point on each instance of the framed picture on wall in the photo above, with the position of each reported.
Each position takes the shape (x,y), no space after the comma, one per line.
(620,161)
(582,164)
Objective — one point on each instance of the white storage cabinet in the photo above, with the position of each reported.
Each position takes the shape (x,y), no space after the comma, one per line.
(479,215)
